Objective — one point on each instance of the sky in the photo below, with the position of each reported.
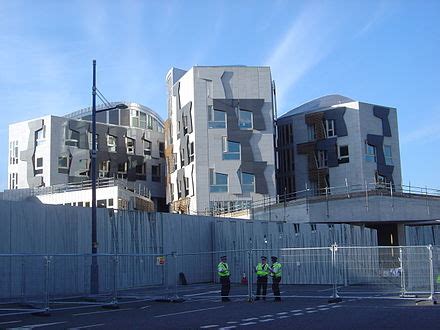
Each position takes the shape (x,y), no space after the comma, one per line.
(381,52)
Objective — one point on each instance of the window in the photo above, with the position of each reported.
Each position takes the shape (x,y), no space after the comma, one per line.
(140,169)
(141,119)
(147,147)
(40,136)
(87,204)
(110,202)
(191,152)
(296,228)
(72,138)
(63,164)
(313,227)
(13,152)
(218,118)
(218,182)
(161,149)
(247,182)
(231,150)
(111,143)
(311,132)
(322,159)
(89,137)
(84,167)
(343,155)
(185,124)
(174,162)
(245,119)
(104,168)
(370,153)
(155,173)
(122,170)
(388,155)
(81,204)
(186,186)
(101,203)
(130,144)
(39,166)
(172,191)
(329,127)
(13,180)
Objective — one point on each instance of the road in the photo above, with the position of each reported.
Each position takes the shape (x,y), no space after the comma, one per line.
(210,313)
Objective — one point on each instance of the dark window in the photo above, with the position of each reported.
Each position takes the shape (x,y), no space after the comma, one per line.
(161,149)
(343,155)
(155,173)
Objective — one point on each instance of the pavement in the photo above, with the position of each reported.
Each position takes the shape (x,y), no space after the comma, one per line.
(202,309)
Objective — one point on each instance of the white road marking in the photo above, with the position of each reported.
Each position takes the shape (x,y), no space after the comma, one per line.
(232,322)
(33,326)
(322,305)
(283,317)
(336,306)
(324,309)
(88,326)
(268,315)
(296,310)
(145,307)
(266,320)
(102,312)
(249,319)
(226,328)
(201,294)
(309,308)
(10,322)
(209,326)
(311,311)
(190,311)
(282,313)
(298,314)
(248,323)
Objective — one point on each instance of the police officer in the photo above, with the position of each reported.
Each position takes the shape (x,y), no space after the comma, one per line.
(275,273)
(262,271)
(223,273)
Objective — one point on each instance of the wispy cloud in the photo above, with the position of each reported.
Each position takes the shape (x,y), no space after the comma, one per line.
(307,41)
(427,131)
(375,18)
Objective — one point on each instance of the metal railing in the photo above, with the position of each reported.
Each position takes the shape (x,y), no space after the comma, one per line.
(39,282)
(223,207)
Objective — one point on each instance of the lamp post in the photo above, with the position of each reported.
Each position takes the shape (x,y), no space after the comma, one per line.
(94,271)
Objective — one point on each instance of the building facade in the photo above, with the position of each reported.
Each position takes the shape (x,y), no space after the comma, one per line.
(51,150)
(334,142)
(219,137)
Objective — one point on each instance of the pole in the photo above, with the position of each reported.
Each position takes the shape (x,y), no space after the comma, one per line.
(94,271)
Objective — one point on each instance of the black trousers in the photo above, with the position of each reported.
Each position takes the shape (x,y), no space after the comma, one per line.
(226,286)
(261,286)
(276,287)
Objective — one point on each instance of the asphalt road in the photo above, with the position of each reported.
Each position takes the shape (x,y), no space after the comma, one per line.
(314,313)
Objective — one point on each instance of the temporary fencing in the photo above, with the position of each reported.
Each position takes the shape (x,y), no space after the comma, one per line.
(36,283)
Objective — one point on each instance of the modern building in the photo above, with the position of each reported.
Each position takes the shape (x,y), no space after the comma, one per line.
(219,137)
(52,151)
(334,143)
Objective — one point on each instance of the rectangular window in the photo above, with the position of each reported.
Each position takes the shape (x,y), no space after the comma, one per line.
(247,182)
(122,170)
(191,152)
(311,132)
(89,137)
(140,169)
(104,168)
(39,166)
(217,118)
(370,153)
(171,191)
(87,204)
(63,164)
(186,186)
(130,144)
(388,155)
(218,182)
(147,147)
(321,158)
(174,162)
(13,180)
(343,156)
(245,119)
(110,202)
(231,150)
(40,136)
(329,127)
(111,143)
(101,203)
(84,167)
(155,173)
(13,152)
(72,138)
(81,204)
(161,149)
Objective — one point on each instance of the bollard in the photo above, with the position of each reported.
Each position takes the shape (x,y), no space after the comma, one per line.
(250,275)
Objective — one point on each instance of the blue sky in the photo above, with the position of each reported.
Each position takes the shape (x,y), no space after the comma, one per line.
(383,52)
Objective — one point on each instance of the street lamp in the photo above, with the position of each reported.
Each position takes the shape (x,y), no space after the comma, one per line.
(94,271)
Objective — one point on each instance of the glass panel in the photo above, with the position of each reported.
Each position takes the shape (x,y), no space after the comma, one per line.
(245,119)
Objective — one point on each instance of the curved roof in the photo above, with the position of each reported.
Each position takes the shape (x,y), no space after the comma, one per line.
(320,103)
(87,111)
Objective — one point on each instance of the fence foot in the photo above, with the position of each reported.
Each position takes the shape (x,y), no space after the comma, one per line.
(44,312)
(426,302)
(335,300)
(112,305)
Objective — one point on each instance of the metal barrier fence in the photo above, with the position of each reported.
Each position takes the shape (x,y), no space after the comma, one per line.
(36,283)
